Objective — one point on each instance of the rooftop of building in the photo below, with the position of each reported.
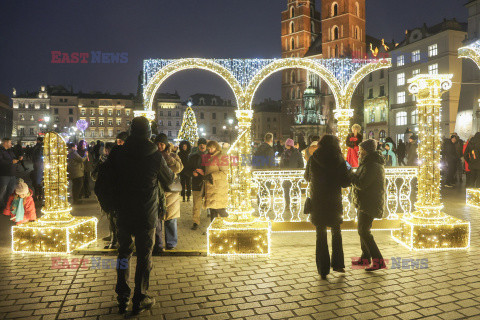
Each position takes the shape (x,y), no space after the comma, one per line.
(419,33)
(268,105)
(208,100)
(59,90)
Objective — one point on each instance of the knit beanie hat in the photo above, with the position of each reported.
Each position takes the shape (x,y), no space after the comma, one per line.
(202,141)
(161,138)
(22,188)
(290,143)
(369,145)
(141,128)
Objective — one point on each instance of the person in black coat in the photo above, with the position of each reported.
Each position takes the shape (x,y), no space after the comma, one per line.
(37,173)
(139,172)
(369,198)
(452,157)
(401,152)
(8,165)
(19,152)
(264,157)
(185,179)
(472,158)
(196,171)
(327,173)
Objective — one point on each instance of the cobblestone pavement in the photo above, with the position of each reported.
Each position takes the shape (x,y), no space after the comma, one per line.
(282,286)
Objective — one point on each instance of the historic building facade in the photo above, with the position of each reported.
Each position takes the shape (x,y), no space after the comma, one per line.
(6,114)
(267,117)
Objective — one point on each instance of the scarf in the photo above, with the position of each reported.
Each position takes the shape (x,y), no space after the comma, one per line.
(17,209)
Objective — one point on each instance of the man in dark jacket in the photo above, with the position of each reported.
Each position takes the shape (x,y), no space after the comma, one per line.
(264,157)
(369,199)
(472,157)
(139,169)
(185,178)
(196,170)
(411,150)
(8,164)
(452,157)
(19,152)
(401,150)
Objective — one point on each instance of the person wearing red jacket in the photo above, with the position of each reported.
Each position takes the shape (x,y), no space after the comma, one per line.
(468,179)
(20,206)
(353,141)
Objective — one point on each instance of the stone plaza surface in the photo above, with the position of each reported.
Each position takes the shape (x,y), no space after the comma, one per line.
(284,285)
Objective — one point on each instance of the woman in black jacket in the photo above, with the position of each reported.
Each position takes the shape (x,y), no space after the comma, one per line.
(186,181)
(327,173)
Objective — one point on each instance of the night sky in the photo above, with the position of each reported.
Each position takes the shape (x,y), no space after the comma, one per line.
(30,30)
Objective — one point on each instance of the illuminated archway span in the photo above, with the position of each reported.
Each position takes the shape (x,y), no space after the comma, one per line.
(186,64)
(291,63)
(351,86)
(471,52)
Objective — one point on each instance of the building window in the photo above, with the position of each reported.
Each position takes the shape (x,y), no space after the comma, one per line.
(382,91)
(169,113)
(202,116)
(334,9)
(292,27)
(31,105)
(128,122)
(32,118)
(43,106)
(169,133)
(177,114)
(161,113)
(82,112)
(433,50)
(400,61)
(169,123)
(214,130)
(22,117)
(55,111)
(100,122)
(92,122)
(357,9)
(214,116)
(382,74)
(100,112)
(372,115)
(401,97)
(415,72)
(335,33)
(416,56)
(57,119)
(119,113)
(101,133)
(32,131)
(127,112)
(370,77)
(92,112)
(225,116)
(70,111)
(433,69)
(401,79)
(110,132)
(414,116)
(119,122)
(22,131)
(110,112)
(178,123)
(292,44)
(401,119)
(202,101)
(110,122)
(370,93)
(70,119)
(383,114)
(292,12)
(357,32)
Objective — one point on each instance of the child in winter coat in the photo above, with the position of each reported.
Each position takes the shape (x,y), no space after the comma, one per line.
(389,155)
(20,205)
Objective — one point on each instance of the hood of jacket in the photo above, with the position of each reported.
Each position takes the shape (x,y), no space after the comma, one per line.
(373,157)
(390,151)
(180,147)
(475,141)
(263,147)
(138,147)
(327,158)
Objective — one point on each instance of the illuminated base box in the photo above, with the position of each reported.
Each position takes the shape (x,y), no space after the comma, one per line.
(473,198)
(443,234)
(347,225)
(227,238)
(45,237)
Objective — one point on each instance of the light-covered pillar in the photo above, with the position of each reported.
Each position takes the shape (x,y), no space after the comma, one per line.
(428,227)
(343,114)
(57,231)
(240,233)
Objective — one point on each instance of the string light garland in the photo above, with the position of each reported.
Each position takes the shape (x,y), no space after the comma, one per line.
(428,227)
(241,233)
(473,197)
(57,231)
(188,131)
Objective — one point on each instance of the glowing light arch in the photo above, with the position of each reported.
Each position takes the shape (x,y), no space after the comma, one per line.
(472,52)
(186,64)
(291,63)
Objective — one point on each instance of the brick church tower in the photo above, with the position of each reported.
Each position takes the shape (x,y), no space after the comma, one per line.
(300,28)
(343,28)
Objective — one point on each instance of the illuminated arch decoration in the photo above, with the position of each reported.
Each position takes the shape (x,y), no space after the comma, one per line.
(472,52)
(240,233)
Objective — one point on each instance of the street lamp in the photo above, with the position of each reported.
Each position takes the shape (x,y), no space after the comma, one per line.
(230,121)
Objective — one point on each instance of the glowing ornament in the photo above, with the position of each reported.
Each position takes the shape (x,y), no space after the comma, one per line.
(57,231)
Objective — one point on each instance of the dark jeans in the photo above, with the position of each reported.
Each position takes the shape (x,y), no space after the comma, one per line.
(452,165)
(7,185)
(171,238)
(112,219)
(322,254)
(401,161)
(144,246)
(86,185)
(218,213)
(186,185)
(368,244)
(77,186)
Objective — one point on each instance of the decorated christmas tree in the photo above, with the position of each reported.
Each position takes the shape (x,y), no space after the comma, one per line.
(188,131)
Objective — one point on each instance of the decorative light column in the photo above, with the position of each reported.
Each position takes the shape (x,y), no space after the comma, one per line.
(240,233)
(57,231)
(343,116)
(428,227)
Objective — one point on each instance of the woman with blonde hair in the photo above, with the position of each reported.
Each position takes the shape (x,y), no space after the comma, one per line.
(353,141)
(215,177)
